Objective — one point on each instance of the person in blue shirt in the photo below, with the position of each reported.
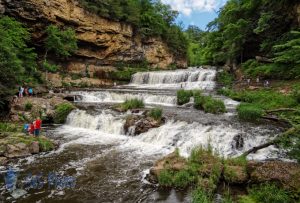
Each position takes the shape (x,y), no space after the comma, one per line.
(30,91)
(25,128)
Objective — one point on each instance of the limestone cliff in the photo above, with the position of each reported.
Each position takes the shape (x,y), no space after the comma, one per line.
(102,42)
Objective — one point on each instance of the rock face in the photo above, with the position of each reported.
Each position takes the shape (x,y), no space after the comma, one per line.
(102,42)
(137,124)
(17,150)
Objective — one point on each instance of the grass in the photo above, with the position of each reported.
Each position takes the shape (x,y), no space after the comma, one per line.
(214,106)
(61,112)
(132,104)
(28,106)
(249,112)
(44,143)
(200,196)
(225,79)
(156,114)
(184,96)
(165,178)
(266,193)
(10,127)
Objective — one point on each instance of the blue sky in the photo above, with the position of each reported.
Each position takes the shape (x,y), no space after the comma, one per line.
(196,12)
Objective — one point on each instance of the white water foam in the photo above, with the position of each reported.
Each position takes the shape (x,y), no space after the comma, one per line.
(105,128)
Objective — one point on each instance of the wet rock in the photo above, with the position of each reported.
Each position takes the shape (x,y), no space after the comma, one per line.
(137,124)
(238,142)
(3,161)
(285,173)
(17,150)
(235,174)
(34,148)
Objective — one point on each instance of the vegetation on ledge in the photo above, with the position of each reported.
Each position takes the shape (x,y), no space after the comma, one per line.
(61,112)
(132,104)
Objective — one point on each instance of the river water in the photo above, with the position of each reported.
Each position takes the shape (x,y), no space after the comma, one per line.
(110,166)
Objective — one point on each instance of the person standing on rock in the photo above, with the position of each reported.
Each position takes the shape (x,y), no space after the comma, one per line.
(37,126)
(31,129)
(30,91)
(21,91)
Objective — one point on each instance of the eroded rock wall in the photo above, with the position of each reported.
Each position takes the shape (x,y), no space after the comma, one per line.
(102,42)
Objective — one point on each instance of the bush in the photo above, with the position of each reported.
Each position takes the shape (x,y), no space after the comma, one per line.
(199,101)
(268,192)
(62,111)
(296,93)
(214,106)
(132,104)
(156,114)
(226,79)
(165,178)
(249,112)
(183,96)
(28,106)
(183,178)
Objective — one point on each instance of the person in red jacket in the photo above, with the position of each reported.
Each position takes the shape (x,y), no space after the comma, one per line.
(37,126)
(31,129)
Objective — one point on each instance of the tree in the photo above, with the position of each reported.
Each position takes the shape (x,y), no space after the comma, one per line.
(17,60)
(62,43)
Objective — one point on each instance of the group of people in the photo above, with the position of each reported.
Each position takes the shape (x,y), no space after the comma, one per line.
(25,91)
(266,82)
(33,128)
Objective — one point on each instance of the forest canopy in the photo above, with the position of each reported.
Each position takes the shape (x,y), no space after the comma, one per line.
(245,29)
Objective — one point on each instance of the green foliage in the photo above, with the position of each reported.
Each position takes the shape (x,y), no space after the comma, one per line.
(149,18)
(209,104)
(296,93)
(246,29)
(183,178)
(288,52)
(291,142)
(249,112)
(183,96)
(269,192)
(156,113)
(200,196)
(214,106)
(132,104)
(225,79)
(165,178)
(62,43)
(62,111)
(9,127)
(28,106)
(17,59)
(51,67)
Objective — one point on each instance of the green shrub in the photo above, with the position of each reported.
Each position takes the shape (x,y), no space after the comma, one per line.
(296,93)
(183,96)
(51,67)
(183,178)
(249,112)
(225,79)
(62,111)
(199,101)
(246,199)
(28,106)
(156,114)
(9,127)
(132,104)
(200,196)
(214,106)
(165,178)
(45,144)
(269,192)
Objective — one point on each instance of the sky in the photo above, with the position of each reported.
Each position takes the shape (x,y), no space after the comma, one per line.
(196,12)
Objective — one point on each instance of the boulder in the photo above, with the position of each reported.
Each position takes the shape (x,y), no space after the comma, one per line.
(34,148)
(3,161)
(17,150)
(285,173)
(138,124)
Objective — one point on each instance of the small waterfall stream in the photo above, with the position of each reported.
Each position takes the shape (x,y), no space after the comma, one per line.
(109,165)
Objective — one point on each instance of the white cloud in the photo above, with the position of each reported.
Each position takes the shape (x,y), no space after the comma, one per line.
(186,7)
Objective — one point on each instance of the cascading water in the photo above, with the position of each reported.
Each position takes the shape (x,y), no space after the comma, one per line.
(109,165)
(192,78)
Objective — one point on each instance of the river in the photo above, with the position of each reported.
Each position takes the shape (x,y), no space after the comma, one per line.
(110,166)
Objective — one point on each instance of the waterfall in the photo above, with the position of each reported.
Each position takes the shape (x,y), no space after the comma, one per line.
(119,97)
(192,78)
(108,128)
